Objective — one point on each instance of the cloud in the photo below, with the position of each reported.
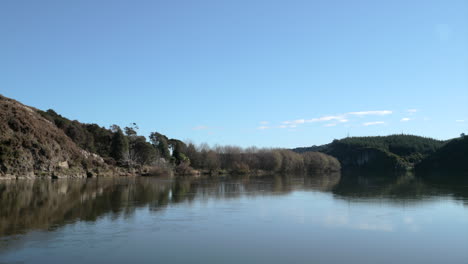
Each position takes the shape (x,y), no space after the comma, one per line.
(264,123)
(299,121)
(373,123)
(405,119)
(325,118)
(365,113)
(412,110)
(342,118)
(200,128)
(263,127)
(460,121)
(330,125)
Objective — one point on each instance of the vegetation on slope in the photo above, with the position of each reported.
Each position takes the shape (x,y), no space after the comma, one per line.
(452,157)
(31,146)
(35,142)
(394,152)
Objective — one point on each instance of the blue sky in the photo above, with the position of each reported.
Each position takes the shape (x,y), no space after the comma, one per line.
(265,73)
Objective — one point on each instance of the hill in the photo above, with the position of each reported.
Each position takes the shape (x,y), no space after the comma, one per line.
(451,158)
(394,152)
(32,146)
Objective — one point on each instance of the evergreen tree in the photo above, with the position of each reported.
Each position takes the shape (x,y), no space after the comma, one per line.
(119,145)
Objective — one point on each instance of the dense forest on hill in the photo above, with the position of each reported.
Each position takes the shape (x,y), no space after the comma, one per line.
(452,157)
(395,152)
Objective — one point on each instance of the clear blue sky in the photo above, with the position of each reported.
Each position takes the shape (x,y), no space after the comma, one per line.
(245,72)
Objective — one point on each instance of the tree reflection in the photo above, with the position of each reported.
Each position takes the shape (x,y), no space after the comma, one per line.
(42,204)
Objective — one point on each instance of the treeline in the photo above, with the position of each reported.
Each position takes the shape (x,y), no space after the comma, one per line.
(411,148)
(238,160)
(124,147)
(116,145)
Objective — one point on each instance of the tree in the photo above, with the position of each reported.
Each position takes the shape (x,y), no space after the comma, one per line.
(193,155)
(178,150)
(132,157)
(145,153)
(160,142)
(131,131)
(119,144)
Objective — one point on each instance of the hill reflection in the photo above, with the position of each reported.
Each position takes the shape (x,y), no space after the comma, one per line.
(43,204)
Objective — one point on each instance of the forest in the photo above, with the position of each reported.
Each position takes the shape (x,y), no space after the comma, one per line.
(452,157)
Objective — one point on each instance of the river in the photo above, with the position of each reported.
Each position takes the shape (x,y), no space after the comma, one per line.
(237,219)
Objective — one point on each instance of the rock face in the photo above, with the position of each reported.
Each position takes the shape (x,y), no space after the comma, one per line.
(32,146)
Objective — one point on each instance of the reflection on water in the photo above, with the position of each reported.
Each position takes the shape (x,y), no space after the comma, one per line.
(44,204)
(405,188)
(218,210)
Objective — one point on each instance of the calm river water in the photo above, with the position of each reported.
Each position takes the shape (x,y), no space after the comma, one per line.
(276,219)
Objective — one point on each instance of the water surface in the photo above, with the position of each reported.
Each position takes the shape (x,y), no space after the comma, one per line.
(277,219)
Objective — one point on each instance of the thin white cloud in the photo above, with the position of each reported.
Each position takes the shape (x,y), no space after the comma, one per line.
(200,128)
(299,121)
(330,125)
(325,118)
(263,127)
(405,119)
(412,110)
(365,113)
(283,126)
(373,123)
(460,121)
(264,123)
(342,118)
